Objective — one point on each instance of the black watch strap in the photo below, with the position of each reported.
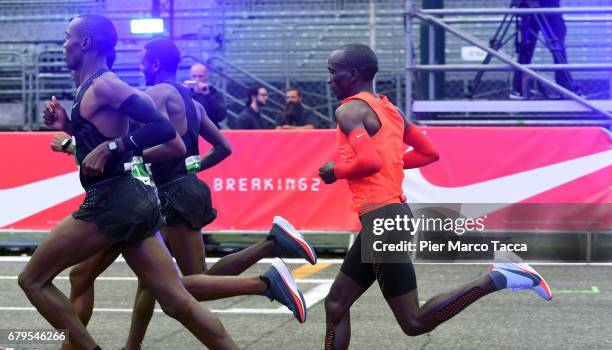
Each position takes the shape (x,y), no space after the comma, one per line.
(66,143)
(113,146)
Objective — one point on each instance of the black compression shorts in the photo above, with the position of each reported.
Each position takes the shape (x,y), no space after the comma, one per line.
(123,208)
(394,278)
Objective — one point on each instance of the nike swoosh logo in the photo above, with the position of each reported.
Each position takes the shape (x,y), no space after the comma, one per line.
(24,201)
(33,198)
(535,279)
(132,139)
(502,191)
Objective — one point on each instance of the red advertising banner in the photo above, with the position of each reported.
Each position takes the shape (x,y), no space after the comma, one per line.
(276,173)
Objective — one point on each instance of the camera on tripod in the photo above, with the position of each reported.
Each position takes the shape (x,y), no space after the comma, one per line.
(525,29)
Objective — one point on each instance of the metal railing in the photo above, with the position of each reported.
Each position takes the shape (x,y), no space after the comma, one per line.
(18,78)
(431,18)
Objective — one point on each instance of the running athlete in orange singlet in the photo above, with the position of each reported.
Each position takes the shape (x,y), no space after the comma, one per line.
(372,133)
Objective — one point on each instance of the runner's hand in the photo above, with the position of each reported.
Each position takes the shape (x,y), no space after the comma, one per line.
(56,143)
(326,172)
(54,115)
(94,162)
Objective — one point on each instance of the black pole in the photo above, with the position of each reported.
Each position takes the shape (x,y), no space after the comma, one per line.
(439,54)
(171,19)
(155,8)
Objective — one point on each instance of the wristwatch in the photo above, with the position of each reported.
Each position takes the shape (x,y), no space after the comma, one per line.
(112,146)
(65,144)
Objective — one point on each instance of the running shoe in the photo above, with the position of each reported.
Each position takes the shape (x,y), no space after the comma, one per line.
(289,242)
(519,276)
(282,288)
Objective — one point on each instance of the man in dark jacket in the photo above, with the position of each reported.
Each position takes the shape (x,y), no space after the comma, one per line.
(295,116)
(250,118)
(201,91)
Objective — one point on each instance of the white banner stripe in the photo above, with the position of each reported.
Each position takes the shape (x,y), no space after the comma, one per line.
(109,278)
(208,260)
(9,259)
(219,311)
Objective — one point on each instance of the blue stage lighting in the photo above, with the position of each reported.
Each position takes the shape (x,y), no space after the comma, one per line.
(146,26)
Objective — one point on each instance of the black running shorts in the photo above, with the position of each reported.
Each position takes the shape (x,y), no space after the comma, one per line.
(123,208)
(187,200)
(394,279)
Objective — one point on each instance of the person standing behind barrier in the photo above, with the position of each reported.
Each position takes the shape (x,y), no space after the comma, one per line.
(527,37)
(295,116)
(208,96)
(250,118)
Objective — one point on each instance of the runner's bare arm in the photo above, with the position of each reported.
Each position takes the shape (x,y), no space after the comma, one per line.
(221,148)
(111,91)
(171,149)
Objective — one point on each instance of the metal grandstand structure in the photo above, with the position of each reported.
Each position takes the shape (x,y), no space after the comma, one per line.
(286,43)
(576,110)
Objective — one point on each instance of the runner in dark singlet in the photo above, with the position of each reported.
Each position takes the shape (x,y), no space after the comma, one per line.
(186,200)
(118,209)
(371,136)
(187,206)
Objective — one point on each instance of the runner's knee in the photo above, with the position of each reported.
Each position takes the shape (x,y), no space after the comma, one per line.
(413,328)
(24,282)
(334,309)
(28,284)
(79,278)
(176,306)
